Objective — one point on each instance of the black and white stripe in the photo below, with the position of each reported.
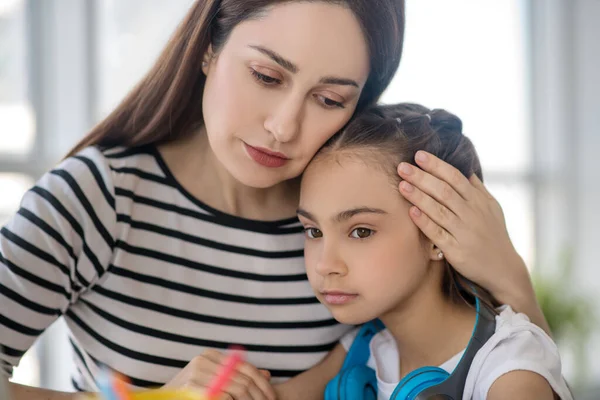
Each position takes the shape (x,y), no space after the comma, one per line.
(146,276)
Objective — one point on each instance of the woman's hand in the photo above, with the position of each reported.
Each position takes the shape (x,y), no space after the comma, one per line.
(248,383)
(467,224)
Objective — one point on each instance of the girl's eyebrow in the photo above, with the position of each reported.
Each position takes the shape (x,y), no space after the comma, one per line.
(293,68)
(347,214)
(305,214)
(344,215)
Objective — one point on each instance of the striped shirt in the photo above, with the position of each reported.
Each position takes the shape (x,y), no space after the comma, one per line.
(146,276)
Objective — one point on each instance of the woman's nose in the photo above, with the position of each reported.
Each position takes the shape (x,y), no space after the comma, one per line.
(285,120)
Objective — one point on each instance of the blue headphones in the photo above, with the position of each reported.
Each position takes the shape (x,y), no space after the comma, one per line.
(356,381)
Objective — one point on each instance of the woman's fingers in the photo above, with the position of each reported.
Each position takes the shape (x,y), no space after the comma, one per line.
(477,184)
(438,235)
(433,187)
(247,383)
(439,213)
(243,388)
(258,380)
(444,172)
(248,379)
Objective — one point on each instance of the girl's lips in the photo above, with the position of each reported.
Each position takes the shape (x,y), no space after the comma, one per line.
(266,157)
(338,298)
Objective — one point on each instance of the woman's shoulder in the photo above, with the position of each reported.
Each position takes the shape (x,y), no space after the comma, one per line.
(110,166)
(517,345)
(120,157)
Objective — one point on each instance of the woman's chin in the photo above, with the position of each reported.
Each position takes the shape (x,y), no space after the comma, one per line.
(257,179)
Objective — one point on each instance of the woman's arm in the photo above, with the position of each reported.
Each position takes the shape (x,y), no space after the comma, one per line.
(310,385)
(520,295)
(466,222)
(52,249)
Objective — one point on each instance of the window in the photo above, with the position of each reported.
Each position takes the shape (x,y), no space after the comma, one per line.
(130,34)
(469,57)
(17,132)
(17,126)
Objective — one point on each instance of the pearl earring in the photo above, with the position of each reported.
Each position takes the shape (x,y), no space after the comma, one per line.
(440,255)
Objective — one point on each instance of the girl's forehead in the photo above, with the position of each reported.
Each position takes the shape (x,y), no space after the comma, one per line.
(348,172)
(374,160)
(333,185)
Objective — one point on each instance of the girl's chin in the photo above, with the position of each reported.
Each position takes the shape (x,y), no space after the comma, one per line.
(349,318)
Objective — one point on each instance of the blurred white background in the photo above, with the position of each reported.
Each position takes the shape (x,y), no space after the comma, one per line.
(521,74)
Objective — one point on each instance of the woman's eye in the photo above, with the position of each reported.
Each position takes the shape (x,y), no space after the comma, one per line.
(313,233)
(361,233)
(328,103)
(264,79)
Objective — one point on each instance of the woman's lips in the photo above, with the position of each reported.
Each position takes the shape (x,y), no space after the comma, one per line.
(266,157)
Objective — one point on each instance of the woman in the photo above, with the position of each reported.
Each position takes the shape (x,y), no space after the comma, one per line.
(170,231)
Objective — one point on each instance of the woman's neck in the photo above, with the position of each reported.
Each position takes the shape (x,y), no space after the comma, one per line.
(429,329)
(196,168)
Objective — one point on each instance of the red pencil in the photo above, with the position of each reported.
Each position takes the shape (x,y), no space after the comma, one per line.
(225,374)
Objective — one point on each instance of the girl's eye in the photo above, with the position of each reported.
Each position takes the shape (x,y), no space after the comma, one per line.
(264,79)
(313,233)
(328,103)
(362,233)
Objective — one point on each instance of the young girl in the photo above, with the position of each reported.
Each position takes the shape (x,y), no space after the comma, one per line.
(367,260)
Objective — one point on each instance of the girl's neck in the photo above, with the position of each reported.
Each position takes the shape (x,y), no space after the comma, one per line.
(429,329)
(195,166)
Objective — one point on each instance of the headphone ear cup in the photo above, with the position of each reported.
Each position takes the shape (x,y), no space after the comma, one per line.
(417,381)
(358,382)
(332,390)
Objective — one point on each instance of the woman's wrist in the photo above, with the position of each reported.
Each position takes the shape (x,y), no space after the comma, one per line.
(516,288)
(517,291)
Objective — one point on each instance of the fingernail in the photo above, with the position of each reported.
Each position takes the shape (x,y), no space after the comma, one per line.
(407,187)
(416,212)
(405,168)
(421,156)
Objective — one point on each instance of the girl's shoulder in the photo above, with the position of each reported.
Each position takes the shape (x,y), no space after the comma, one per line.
(517,344)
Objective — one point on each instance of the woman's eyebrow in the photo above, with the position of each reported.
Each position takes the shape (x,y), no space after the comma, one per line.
(334,80)
(287,64)
(293,68)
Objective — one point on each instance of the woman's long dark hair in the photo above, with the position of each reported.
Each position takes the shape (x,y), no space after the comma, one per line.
(167,103)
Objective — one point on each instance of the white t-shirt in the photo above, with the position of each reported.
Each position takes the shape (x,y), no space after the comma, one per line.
(517,345)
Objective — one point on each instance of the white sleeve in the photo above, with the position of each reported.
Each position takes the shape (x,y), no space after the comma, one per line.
(525,348)
(56,246)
